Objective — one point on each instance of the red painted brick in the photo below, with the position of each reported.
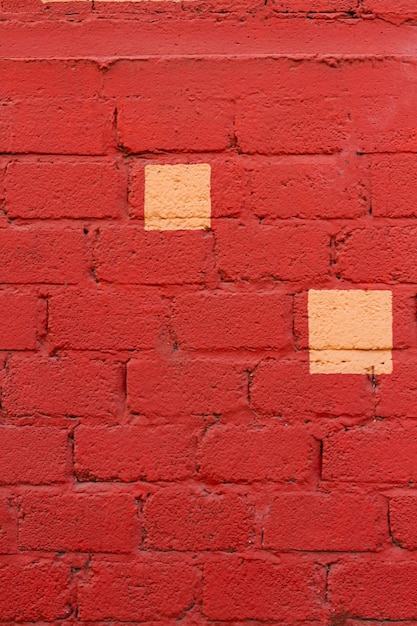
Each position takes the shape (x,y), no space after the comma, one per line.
(132,256)
(267,124)
(8,526)
(294,6)
(308,187)
(399,7)
(172,104)
(102,319)
(185,385)
(237,588)
(41,255)
(396,393)
(57,189)
(391,259)
(394,186)
(403,520)
(392,129)
(130,453)
(67,386)
(379,452)
(276,385)
(374,589)
(360,622)
(49,78)
(34,455)
(242,454)
(293,252)
(212,320)
(178,519)
(321,521)
(147,588)
(90,522)
(185,125)
(59,126)
(33,589)
(21,317)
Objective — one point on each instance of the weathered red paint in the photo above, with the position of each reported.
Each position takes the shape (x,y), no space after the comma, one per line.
(166,456)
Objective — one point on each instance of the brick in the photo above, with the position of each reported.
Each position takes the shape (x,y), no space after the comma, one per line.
(179,519)
(246,454)
(391,259)
(33,455)
(400,7)
(394,186)
(229,184)
(130,255)
(101,319)
(49,78)
(308,187)
(403,521)
(291,6)
(321,521)
(37,254)
(215,320)
(189,385)
(379,452)
(268,124)
(34,589)
(62,189)
(90,522)
(180,105)
(186,125)
(132,453)
(396,393)
(56,126)
(63,386)
(403,314)
(354,622)
(379,130)
(21,317)
(147,588)
(288,253)
(237,588)
(8,526)
(374,589)
(276,384)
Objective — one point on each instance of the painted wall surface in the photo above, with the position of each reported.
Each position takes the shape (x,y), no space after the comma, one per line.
(208,320)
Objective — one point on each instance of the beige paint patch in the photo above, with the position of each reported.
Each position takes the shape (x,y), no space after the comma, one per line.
(177,197)
(350,331)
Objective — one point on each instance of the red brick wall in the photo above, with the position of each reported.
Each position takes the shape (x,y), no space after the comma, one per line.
(208,407)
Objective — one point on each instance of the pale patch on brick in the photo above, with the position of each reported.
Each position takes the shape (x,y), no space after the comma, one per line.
(350,331)
(177,197)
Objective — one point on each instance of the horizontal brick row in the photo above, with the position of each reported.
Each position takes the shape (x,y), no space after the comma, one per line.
(298,253)
(178,518)
(155,586)
(304,187)
(88,385)
(142,317)
(376,453)
(219,105)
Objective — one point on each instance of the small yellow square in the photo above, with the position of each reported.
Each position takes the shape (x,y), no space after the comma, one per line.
(177,197)
(350,331)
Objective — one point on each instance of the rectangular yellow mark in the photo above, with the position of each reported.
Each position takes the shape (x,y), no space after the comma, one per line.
(350,331)
(177,197)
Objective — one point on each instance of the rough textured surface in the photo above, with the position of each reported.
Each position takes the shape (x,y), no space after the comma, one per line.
(204,206)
